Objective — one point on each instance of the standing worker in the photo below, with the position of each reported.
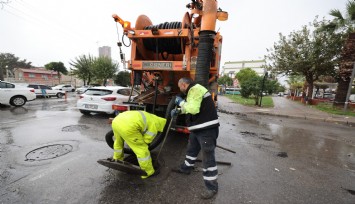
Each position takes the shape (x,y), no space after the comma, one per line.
(202,122)
(137,129)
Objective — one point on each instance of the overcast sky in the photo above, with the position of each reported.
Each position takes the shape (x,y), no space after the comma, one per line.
(42,31)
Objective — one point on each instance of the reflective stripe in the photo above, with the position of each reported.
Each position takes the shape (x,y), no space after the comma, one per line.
(206,95)
(188,164)
(210,169)
(150,133)
(117,150)
(144,159)
(206,124)
(191,158)
(144,121)
(210,178)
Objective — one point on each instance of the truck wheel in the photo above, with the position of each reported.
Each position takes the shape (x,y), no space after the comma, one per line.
(109,137)
(18,101)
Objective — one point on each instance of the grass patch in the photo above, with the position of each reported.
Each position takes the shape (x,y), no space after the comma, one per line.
(329,108)
(267,101)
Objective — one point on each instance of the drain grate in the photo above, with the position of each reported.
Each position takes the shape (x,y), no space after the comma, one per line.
(48,152)
(73,128)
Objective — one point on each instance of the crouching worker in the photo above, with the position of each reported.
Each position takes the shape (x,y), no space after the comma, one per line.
(137,129)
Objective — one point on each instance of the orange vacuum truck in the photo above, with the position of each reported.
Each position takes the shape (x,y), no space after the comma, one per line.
(162,54)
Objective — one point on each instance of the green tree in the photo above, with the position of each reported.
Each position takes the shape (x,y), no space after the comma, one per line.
(251,87)
(104,69)
(57,67)
(272,86)
(225,80)
(9,61)
(344,24)
(83,67)
(123,78)
(309,52)
(245,74)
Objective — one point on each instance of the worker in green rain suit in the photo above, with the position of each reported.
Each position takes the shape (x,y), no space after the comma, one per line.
(137,129)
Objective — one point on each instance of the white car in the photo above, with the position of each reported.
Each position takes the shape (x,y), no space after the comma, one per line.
(11,94)
(44,90)
(82,89)
(64,87)
(100,99)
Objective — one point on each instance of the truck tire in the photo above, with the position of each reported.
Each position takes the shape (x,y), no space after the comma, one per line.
(18,101)
(109,137)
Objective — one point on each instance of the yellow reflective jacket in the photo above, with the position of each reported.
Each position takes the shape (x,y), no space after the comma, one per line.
(146,123)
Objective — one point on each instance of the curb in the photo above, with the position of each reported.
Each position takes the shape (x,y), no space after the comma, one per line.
(330,120)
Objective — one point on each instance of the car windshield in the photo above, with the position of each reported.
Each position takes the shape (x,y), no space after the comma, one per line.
(98,92)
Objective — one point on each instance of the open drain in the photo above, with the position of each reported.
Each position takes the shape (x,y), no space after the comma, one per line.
(48,152)
(72,128)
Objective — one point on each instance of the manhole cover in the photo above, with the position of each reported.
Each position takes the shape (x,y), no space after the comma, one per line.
(48,152)
(72,128)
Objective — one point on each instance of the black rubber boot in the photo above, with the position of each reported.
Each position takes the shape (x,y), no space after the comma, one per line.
(181,171)
(208,194)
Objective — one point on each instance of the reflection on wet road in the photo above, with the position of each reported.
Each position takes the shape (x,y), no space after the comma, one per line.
(49,154)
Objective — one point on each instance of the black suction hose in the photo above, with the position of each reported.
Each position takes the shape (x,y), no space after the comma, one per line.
(204,57)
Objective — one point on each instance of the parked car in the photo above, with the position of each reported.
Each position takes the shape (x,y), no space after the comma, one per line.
(64,87)
(82,89)
(44,90)
(11,94)
(100,99)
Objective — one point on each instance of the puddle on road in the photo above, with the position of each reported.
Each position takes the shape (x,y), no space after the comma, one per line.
(73,128)
(48,152)
(313,143)
(302,139)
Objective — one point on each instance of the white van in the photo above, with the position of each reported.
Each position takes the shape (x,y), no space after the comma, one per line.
(352,98)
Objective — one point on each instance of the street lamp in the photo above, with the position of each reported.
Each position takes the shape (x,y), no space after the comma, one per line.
(262,88)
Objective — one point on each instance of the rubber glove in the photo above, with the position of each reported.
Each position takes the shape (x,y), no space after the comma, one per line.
(174,112)
(178,100)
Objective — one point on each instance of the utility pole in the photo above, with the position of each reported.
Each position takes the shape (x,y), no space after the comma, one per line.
(349,89)
(262,88)
(1,72)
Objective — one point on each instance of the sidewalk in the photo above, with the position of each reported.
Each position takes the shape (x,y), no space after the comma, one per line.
(284,108)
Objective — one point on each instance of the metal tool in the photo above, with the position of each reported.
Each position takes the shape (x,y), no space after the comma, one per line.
(217,162)
(229,150)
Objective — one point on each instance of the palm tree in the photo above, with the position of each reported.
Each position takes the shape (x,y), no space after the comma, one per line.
(83,68)
(296,83)
(344,23)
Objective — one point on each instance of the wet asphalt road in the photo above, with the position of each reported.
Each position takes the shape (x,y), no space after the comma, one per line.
(278,160)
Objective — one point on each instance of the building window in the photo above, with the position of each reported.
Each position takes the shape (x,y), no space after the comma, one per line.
(31,75)
(44,76)
(231,74)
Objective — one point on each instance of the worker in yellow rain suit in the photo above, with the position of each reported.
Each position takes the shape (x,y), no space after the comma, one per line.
(137,129)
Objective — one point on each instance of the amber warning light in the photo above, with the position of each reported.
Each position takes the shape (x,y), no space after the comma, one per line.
(126,25)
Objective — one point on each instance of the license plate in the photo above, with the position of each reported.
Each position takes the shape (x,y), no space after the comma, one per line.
(89,106)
